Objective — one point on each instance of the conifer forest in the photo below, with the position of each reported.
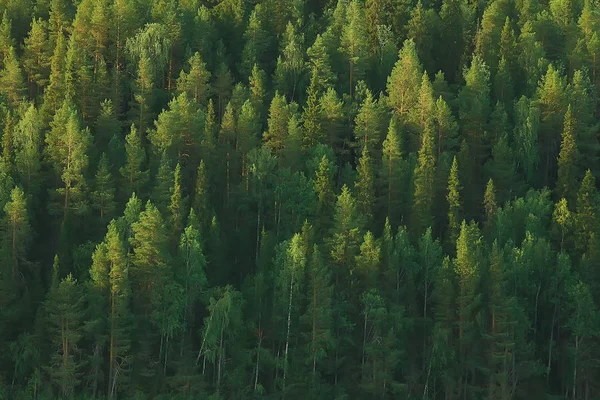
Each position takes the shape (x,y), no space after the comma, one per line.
(299,199)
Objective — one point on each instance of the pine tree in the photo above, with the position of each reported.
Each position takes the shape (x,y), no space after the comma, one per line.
(201,200)
(193,271)
(475,107)
(489,201)
(454,203)
(63,315)
(27,141)
(333,115)
(291,155)
(120,325)
(353,43)
(291,67)
(430,259)
(6,38)
(60,18)
(12,85)
(551,99)
(150,270)
(248,134)
(424,183)
(287,285)
(67,146)
(568,159)
(404,83)
(318,318)
(16,224)
(583,98)
(320,64)
(392,174)
(324,189)
(367,124)
(142,109)
(107,129)
(468,271)
(454,37)
(195,83)
(110,278)
(133,175)
(258,90)
(446,127)
(103,195)
(279,115)
(311,116)
(563,217)
(177,130)
(177,206)
(56,91)
(426,105)
(257,41)
(36,54)
(368,263)
(100,29)
(345,233)
(586,208)
(422,29)
(365,185)
(164,181)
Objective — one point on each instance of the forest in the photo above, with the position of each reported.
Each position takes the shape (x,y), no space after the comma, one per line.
(299,199)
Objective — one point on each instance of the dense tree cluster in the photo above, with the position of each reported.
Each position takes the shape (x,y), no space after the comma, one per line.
(239,199)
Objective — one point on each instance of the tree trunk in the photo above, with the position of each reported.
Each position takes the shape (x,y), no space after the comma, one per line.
(287,336)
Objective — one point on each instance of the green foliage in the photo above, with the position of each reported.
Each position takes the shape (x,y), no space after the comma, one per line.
(133,175)
(284,146)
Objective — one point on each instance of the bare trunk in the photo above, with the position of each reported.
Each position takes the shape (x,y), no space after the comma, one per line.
(575,367)
(258,233)
(287,336)
(550,346)
(221,351)
(257,357)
